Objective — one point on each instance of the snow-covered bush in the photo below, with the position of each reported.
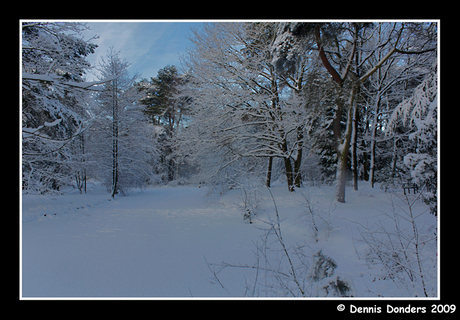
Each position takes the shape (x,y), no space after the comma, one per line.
(404,246)
(289,270)
(420,112)
(317,216)
(322,266)
(335,286)
(326,282)
(251,205)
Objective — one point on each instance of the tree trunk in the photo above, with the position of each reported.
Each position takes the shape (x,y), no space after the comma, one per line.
(298,159)
(354,147)
(342,150)
(341,163)
(297,174)
(342,144)
(171,172)
(82,141)
(114,139)
(372,166)
(395,158)
(373,142)
(269,172)
(365,166)
(80,175)
(341,178)
(288,166)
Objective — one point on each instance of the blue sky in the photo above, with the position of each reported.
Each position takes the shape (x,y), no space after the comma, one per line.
(148,46)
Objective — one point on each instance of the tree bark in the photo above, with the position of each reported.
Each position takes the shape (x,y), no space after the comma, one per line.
(343,148)
(373,142)
(297,174)
(342,144)
(365,163)
(354,147)
(289,175)
(114,139)
(80,175)
(288,167)
(298,159)
(395,158)
(269,172)
(323,57)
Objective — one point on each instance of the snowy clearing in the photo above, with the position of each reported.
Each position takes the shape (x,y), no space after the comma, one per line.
(180,242)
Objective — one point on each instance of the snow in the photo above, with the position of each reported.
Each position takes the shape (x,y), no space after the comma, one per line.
(56,79)
(156,242)
(51,124)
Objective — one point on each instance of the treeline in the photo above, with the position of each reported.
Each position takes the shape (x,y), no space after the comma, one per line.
(72,130)
(317,102)
(329,102)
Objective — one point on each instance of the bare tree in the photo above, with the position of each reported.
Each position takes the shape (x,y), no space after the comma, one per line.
(239,92)
(121,138)
(337,52)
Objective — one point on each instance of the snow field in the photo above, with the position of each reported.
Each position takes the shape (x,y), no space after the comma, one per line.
(156,242)
(150,243)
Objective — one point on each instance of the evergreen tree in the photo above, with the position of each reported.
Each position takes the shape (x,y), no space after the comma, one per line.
(53,102)
(419,111)
(338,46)
(166,107)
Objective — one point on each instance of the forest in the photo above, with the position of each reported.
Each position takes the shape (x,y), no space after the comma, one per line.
(316,102)
(254,104)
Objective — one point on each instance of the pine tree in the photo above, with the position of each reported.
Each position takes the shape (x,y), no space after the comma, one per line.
(166,107)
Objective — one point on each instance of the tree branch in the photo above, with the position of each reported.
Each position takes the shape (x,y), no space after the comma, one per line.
(352,55)
(378,65)
(387,56)
(323,57)
(414,52)
(57,80)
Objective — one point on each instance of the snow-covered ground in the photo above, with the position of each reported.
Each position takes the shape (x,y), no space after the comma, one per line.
(174,241)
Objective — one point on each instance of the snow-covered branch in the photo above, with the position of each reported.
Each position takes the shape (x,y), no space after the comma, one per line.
(59,80)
